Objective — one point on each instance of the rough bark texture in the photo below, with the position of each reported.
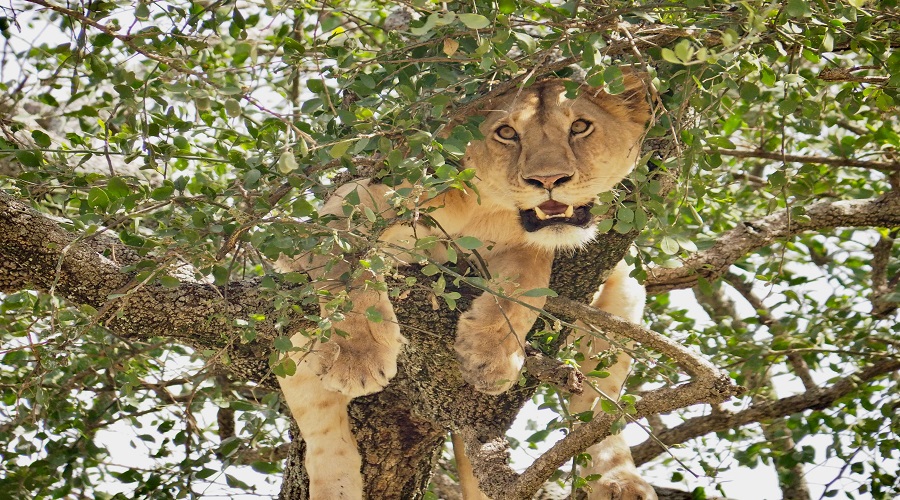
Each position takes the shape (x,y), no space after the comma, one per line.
(712,263)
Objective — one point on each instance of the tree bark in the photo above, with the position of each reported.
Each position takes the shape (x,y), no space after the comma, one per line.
(711,263)
(401,430)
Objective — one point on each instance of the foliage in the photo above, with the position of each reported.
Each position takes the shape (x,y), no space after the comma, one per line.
(177,127)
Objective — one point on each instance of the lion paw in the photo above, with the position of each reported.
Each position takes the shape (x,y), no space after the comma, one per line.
(490,357)
(621,485)
(362,364)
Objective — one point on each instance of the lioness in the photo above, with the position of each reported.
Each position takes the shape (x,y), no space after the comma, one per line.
(543,160)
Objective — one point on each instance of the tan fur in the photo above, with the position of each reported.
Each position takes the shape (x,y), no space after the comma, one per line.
(551,154)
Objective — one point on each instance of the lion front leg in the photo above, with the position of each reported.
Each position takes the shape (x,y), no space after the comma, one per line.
(611,459)
(361,356)
(490,336)
(332,459)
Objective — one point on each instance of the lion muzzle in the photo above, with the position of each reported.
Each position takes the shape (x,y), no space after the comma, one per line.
(553,212)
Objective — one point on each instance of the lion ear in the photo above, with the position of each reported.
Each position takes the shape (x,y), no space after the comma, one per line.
(632,103)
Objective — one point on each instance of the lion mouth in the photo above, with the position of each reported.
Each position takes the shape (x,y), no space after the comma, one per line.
(552,212)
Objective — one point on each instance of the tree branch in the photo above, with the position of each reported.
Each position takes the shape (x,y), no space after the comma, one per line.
(815,399)
(202,315)
(709,385)
(882,286)
(821,160)
(732,245)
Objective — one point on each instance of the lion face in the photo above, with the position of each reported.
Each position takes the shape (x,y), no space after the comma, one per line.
(547,157)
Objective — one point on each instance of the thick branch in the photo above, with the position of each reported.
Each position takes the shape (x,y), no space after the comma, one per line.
(815,399)
(712,263)
(38,254)
(819,160)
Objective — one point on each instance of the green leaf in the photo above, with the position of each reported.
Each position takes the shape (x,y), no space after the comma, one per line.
(469,242)
(205,473)
(41,138)
(684,50)
(265,467)
(430,270)
(232,108)
(169,281)
(163,192)
(142,11)
(287,163)
(229,446)
(507,6)
(374,315)
(97,198)
(251,178)
(668,245)
(103,39)
(117,188)
(234,482)
(797,8)
(623,227)
(608,406)
(430,22)
(340,149)
(28,158)
(669,55)
(612,74)
(605,225)
(315,85)
(283,344)
(474,21)
(540,292)
(625,214)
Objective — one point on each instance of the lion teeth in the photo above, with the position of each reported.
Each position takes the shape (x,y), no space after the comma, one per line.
(541,215)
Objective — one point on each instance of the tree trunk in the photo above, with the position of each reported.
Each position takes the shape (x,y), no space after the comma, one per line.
(401,430)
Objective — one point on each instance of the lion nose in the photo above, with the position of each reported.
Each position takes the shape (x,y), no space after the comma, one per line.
(548,181)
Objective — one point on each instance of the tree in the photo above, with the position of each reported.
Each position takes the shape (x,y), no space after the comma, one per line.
(158,156)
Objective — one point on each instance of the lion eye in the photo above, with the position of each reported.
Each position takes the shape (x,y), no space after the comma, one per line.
(581,127)
(507,133)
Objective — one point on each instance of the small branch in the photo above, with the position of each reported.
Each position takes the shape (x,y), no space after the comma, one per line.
(247,456)
(692,363)
(815,399)
(709,385)
(846,75)
(553,372)
(820,160)
(881,284)
(712,263)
